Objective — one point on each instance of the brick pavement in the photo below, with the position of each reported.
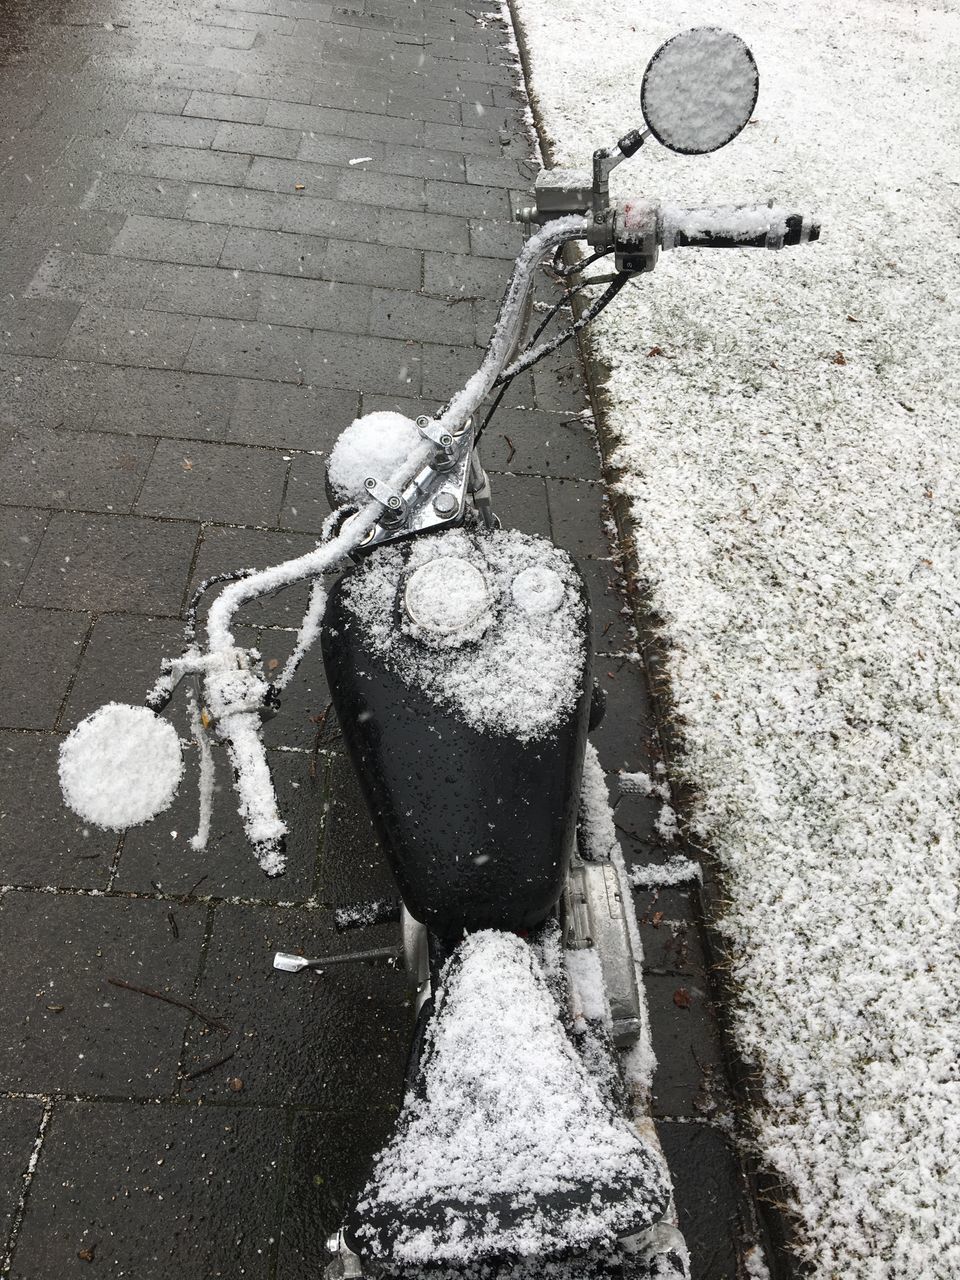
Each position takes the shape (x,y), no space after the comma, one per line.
(202,280)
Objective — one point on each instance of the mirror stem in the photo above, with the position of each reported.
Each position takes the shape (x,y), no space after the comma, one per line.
(606,159)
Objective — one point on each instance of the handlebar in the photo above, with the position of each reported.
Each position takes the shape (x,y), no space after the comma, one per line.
(735,227)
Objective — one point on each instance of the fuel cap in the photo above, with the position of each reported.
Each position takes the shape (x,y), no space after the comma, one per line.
(446,597)
(538,590)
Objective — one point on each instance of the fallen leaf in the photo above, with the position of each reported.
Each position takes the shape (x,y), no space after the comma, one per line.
(657,919)
(86,1255)
(839,358)
(187,464)
(272,664)
(681,998)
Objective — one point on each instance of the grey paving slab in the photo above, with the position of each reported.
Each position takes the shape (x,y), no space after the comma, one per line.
(578,515)
(41,650)
(34,326)
(270,173)
(414,230)
(353,868)
(41,842)
(305,504)
(159,852)
(126,336)
(91,277)
(174,131)
(170,240)
(21,529)
(689,1080)
(204,291)
(224,549)
(236,206)
(111,563)
(710,1206)
(316,304)
(121,662)
(354,362)
(453,275)
(214,482)
(625,736)
(152,1191)
(87,471)
(225,106)
(253,139)
(19,1127)
(331,1042)
(531,442)
(356,263)
(278,252)
(186,163)
(521,503)
(290,417)
(60,1013)
(400,313)
(306,720)
(672,943)
(132,193)
(613,629)
(167,403)
(249,349)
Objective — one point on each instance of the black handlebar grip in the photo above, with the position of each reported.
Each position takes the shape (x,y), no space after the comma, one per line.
(735,227)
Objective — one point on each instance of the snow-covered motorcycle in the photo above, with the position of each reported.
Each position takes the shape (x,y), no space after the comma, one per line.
(459,662)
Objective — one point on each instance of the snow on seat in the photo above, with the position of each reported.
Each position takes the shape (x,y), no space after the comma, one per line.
(505,1147)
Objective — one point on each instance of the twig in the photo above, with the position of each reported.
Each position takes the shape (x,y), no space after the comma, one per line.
(181,1004)
(211,1066)
(189,893)
(513,450)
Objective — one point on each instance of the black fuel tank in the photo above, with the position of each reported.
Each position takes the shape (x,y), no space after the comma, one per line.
(459,667)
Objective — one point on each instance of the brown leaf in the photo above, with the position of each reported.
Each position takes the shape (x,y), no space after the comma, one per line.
(839,358)
(187,464)
(86,1255)
(272,664)
(681,998)
(657,919)
(56,1008)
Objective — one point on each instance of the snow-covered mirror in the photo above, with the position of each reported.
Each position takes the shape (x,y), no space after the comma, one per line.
(699,90)
(120,766)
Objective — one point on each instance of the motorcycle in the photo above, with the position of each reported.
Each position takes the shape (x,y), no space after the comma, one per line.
(459,662)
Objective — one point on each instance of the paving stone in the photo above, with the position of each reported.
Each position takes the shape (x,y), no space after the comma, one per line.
(711,1211)
(20,532)
(304,118)
(289,416)
(306,719)
(41,650)
(689,1080)
(305,504)
(341,151)
(186,163)
(529,442)
(521,503)
(121,662)
(91,277)
(214,482)
(577,514)
(613,630)
(226,106)
(19,1126)
(269,173)
(119,563)
(356,263)
(333,1041)
(170,240)
(60,951)
(415,230)
(672,942)
(254,139)
(159,852)
(387,190)
(278,88)
(168,403)
(489,171)
(351,361)
(330,1159)
(489,239)
(131,193)
(456,274)
(124,336)
(173,131)
(331,218)
(399,313)
(315,304)
(41,841)
(222,550)
(205,291)
(35,326)
(626,737)
(73,471)
(236,206)
(157,1190)
(466,200)
(248,349)
(278,252)
(353,868)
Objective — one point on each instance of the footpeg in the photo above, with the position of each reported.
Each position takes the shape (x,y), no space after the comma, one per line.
(287,962)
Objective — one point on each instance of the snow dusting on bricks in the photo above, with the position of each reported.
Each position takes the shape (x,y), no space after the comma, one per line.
(787,427)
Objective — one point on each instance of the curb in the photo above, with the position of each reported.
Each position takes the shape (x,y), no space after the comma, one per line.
(777,1229)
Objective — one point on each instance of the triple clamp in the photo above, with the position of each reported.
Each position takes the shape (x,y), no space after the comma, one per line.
(394,507)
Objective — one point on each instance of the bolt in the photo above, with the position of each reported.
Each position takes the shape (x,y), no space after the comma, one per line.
(445,504)
(370,482)
(423,421)
(393,503)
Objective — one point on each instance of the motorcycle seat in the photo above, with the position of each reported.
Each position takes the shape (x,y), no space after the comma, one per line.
(506,1148)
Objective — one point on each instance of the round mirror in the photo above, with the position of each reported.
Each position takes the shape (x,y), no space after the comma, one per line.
(120,766)
(699,90)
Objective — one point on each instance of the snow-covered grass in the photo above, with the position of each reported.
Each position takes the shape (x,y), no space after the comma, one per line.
(792,454)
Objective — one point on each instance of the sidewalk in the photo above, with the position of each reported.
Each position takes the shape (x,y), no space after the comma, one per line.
(226,231)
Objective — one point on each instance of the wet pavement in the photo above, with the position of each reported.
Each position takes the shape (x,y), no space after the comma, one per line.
(226,229)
